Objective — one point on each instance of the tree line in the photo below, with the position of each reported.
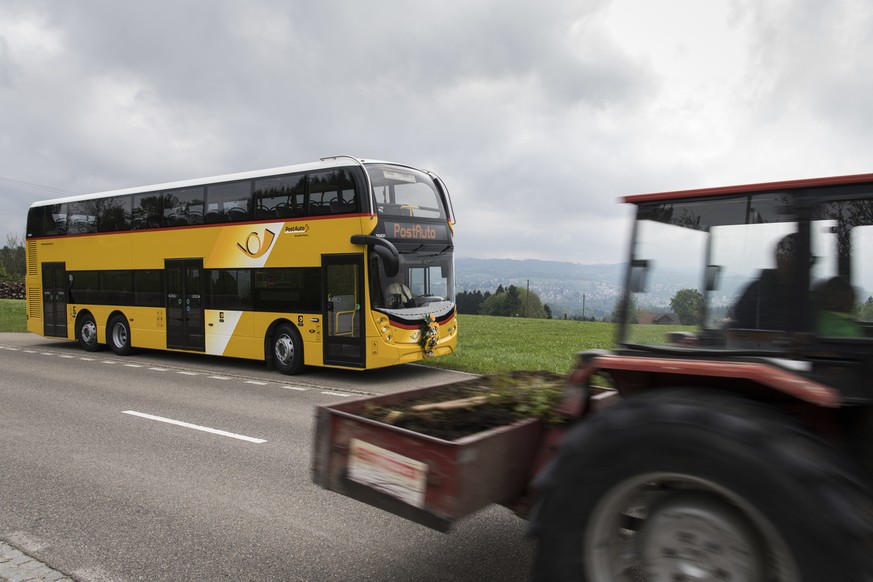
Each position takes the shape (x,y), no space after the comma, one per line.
(12,266)
(509,301)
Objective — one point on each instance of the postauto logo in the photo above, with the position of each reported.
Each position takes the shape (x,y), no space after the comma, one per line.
(254,246)
(414,231)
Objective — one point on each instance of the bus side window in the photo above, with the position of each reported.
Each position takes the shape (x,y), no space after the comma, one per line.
(229,202)
(82,217)
(148,286)
(47,221)
(230,289)
(148,211)
(332,192)
(183,207)
(113,214)
(58,217)
(280,196)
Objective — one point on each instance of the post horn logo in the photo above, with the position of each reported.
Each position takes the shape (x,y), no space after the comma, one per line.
(254,247)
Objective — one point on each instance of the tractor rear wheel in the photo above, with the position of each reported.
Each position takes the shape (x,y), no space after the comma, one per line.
(698,486)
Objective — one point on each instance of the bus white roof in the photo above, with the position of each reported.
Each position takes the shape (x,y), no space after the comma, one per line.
(325,163)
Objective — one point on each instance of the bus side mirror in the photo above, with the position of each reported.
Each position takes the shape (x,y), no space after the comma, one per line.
(383,249)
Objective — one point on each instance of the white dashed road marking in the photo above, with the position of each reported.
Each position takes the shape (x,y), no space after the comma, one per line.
(211,376)
(195,427)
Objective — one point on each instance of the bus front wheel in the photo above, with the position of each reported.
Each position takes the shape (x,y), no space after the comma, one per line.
(119,335)
(287,350)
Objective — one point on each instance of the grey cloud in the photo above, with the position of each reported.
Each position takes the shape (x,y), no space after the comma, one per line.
(537,116)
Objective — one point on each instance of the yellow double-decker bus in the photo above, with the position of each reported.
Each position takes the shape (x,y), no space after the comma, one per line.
(343,262)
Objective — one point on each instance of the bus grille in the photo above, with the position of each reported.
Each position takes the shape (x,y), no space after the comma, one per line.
(34,310)
(32,263)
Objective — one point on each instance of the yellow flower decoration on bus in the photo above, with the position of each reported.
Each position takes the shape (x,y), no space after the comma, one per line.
(430,335)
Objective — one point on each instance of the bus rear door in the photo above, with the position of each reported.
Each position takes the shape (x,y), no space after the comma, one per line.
(185,321)
(54,299)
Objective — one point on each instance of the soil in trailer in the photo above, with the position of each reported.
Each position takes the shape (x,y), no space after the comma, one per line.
(464,408)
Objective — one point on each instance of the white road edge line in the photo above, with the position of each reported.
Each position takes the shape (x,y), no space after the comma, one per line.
(195,427)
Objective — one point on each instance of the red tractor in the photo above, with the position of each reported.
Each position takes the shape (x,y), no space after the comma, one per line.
(735,439)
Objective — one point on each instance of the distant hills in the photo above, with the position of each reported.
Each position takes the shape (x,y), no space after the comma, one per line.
(585,290)
(568,288)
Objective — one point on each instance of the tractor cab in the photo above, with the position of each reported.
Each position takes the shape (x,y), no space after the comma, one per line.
(780,273)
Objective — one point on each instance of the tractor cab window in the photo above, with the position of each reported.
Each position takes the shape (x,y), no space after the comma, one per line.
(713,265)
(841,281)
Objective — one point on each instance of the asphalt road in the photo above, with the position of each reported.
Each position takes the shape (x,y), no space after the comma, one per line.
(92,484)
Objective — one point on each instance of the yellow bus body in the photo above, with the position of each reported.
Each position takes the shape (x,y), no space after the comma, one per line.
(238,334)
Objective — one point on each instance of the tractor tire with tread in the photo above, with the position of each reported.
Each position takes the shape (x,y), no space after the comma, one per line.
(700,485)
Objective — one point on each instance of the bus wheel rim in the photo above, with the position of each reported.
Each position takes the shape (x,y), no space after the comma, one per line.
(119,335)
(89,332)
(284,349)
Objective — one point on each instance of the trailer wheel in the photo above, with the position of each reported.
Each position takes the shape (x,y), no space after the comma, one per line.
(697,486)
(118,335)
(287,350)
(86,333)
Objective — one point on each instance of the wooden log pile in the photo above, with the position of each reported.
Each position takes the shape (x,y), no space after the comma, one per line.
(11,290)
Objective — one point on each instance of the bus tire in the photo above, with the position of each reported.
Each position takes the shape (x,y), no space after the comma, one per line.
(86,332)
(287,350)
(695,485)
(118,335)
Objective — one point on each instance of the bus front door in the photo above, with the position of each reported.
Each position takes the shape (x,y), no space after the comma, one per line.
(185,321)
(54,299)
(343,284)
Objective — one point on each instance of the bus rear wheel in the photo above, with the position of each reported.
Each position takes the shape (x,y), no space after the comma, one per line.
(86,333)
(118,335)
(694,486)
(287,350)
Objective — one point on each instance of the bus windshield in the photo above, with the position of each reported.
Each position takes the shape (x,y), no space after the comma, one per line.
(401,191)
(423,284)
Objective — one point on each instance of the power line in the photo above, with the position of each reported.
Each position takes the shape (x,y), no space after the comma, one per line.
(37,186)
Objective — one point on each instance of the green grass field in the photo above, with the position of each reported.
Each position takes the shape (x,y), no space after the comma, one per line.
(12,316)
(497,344)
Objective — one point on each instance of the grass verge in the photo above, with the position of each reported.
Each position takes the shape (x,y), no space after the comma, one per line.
(12,317)
(488,345)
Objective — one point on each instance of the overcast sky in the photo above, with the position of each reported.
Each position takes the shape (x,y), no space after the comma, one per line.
(538,115)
